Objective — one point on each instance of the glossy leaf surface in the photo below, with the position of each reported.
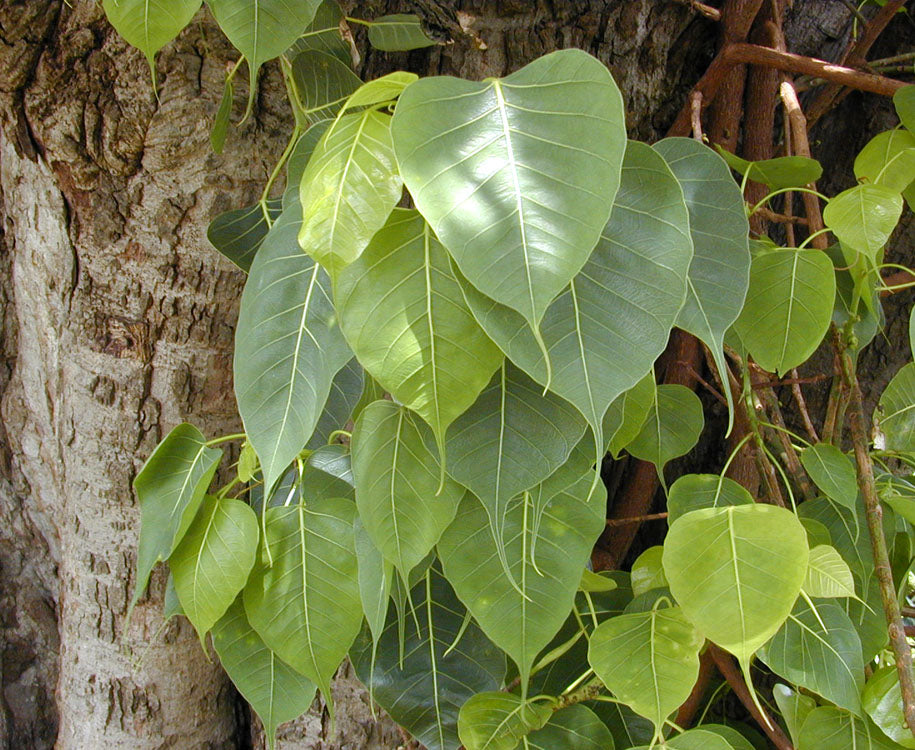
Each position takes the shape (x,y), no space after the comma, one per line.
(831,727)
(888,159)
(864,217)
(882,699)
(780,172)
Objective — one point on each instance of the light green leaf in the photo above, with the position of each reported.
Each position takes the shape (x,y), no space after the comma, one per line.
(425,690)
(575,727)
(517,175)
(306,605)
(149,25)
(221,121)
(828,727)
(323,34)
(650,661)
(777,173)
(349,188)
(864,217)
(323,83)
(375,578)
(833,472)
(381,90)
(795,708)
(498,721)
(896,415)
(817,533)
(695,739)
(882,699)
(789,307)
(288,348)
(345,392)
(672,428)
(299,158)
(607,328)
(736,740)
(276,692)
(397,478)
(819,650)
(523,614)
(912,331)
(888,159)
(647,571)
(239,233)
(211,563)
(262,29)
(624,419)
(593,582)
(398,32)
(694,491)
(720,269)
(899,494)
(170,487)
(828,575)
(904,101)
(403,313)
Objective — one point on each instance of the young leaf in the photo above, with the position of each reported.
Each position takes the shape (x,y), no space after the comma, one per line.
(306,605)
(239,233)
(888,159)
(575,727)
(832,472)
(221,122)
(788,308)
(694,491)
(276,692)
(628,412)
(647,572)
(794,707)
(375,578)
(904,101)
(882,699)
(212,562)
(831,727)
(780,172)
(288,348)
(896,419)
(402,312)
(397,481)
(345,392)
(349,188)
(170,487)
(398,32)
(498,721)
(517,175)
(323,34)
(672,428)
(323,83)
(425,690)
(864,217)
(649,661)
(696,739)
(381,90)
(828,575)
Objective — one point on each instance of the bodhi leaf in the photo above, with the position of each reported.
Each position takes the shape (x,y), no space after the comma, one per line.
(720,269)
(323,83)
(832,472)
(609,325)
(288,348)
(896,418)
(828,575)
(375,578)
(398,32)
(212,562)
(170,604)
(882,699)
(299,158)
(306,605)
(276,692)
(498,721)
(788,308)
(323,34)
(397,478)
(517,175)
(221,121)
(864,217)
(380,90)
(647,572)
(345,392)
(694,491)
(794,707)
(239,233)
(831,727)
(170,487)
(780,172)
(736,740)
(575,727)
(904,102)
(672,428)
(650,660)
(624,419)
(425,690)
(403,313)
(888,159)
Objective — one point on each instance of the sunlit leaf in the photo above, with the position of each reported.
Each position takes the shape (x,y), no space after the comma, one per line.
(375,579)
(777,173)
(834,728)
(647,572)
(696,739)
(888,159)
(672,428)
(299,158)
(831,471)
(624,419)
(828,575)
(498,721)
(794,706)
(904,101)
(864,217)
(882,699)
(896,416)
(695,491)
(398,32)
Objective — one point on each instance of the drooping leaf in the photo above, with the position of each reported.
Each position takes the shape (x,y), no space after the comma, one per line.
(517,175)
(221,121)
(170,604)
(498,721)
(276,692)
(381,90)
(211,563)
(627,727)
(349,188)
(649,661)
(398,32)
(425,692)
(672,428)
(170,487)
(864,217)
(777,173)
(882,699)
(830,727)
(832,472)
(288,348)
(306,605)
(403,313)
(328,473)
(904,102)
(323,34)
(299,158)
(606,329)
(899,494)
(695,491)
(375,578)
(720,270)
(647,572)
(624,419)
(819,649)
(323,83)
(239,233)
(397,478)
(896,417)
(575,727)
(828,575)
(345,392)
(888,159)
(795,707)
(788,308)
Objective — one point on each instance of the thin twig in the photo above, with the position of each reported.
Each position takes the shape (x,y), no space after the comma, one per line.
(802,406)
(713,14)
(696,104)
(636,519)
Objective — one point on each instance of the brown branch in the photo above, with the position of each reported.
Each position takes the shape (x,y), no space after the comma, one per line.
(780,218)
(696,119)
(637,519)
(792,462)
(897,279)
(691,706)
(713,14)
(802,407)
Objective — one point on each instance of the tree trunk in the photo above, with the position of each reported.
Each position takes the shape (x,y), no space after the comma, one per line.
(117,321)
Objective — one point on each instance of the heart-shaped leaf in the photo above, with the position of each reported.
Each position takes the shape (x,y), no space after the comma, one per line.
(832,472)
(694,491)
(239,233)
(828,575)
(498,721)
(647,572)
(696,739)
(864,217)
(888,159)
(882,699)
(904,101)
(896,418)
(323,83)
(827,726)
(794,706)
(672,428)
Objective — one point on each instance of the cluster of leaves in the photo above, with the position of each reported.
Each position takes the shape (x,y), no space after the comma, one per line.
(428,394)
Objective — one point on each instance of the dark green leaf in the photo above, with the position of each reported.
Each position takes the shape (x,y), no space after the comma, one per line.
(323,83)
(777,173)
(323,34)
(498,721)
(833,472)
(375,578)
(882,699)
(239,233)
(298,160)
(896,418)
(573,728)
(398,32)
(221,122)
(828,727)
(345,392)
(695,491)
(795,707)
(672,428)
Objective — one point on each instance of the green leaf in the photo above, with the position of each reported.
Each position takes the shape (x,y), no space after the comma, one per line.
(696,739)
(276,692)
(170,487)
(306,605)
(375,578)
(397,478)
(381,90)
(345,392)
(882,699)
(828,575)
(649,661)
(149,25)
(239,233)
(624,419)
(736,740)
(912,331)
(323,34)
(212,562)
(288,348)
(299,158)
(425,690)
(828,727)
(647,571)
(262,29)
(795,708)
(904,101)
(498,721)
(171,606)
(831,471)
(323,83)
(789,307)
(899,494)
(349,188)
(720,269)
(888,159)
(819,649)
(221,122)
(576,727)
(523,614)
(817,533)
(864,217)
(736,572)
(896,415)
(607,328)
(398,32)
(627,727)
(777,173)
(517,175)
(694,491)
(672,428)
(595,582)
(403,313)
